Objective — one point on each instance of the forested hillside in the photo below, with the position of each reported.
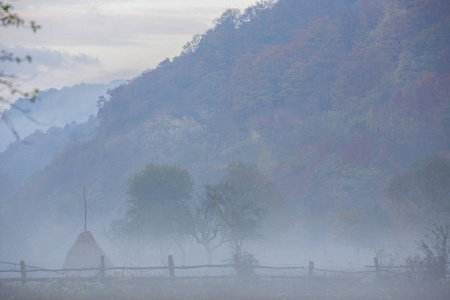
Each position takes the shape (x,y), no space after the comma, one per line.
(32,154)
(330,99)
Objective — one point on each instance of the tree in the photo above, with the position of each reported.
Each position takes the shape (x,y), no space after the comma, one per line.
(243,199)
(424,190)
(231,211)
(9,82)
(201,219)
(348,23)
(156,195)
(436,251)
(230,19)
(430,264)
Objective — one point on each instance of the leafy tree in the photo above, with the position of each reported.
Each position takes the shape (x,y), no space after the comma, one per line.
(155,196)
(9,82)
(241,218)
(424,190)
(201,219)
(349,23)
(430,263)
(230,211)
(11,19)
(192,45)
(243,199)
(230,19)
(436,254)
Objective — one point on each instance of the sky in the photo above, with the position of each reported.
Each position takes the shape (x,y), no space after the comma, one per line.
(96,41)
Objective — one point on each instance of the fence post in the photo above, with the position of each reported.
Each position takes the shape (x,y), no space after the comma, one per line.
(22,271)
(377,267)
(102,267)
(310,269)
(171,267)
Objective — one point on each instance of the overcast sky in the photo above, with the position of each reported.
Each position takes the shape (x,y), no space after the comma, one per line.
(101,40)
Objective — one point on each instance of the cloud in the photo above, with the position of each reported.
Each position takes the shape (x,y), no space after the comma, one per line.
(102,40)
(44,59)
(67,29)
(115,23)
(48,68)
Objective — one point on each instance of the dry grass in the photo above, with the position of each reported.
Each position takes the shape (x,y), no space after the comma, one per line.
(161,288)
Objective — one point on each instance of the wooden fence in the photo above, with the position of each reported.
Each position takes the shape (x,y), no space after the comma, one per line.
(376,271)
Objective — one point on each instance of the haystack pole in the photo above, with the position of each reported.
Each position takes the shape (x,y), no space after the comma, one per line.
(85,207)
(85,252)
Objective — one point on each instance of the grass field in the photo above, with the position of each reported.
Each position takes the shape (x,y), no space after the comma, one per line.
(234,288)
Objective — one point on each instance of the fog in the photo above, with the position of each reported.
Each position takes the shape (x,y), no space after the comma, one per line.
(296,149)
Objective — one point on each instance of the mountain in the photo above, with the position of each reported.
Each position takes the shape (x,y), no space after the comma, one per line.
(57,119)
(328,98)
(53,107)
(31,155)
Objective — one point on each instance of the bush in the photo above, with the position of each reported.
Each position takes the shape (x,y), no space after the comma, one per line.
(244,263)
(430,263)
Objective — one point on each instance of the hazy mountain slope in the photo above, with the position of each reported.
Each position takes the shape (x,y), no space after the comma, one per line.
(37,150)
(56,115)
(53,107)
(329,98)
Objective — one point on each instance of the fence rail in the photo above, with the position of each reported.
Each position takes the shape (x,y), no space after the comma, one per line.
(377,270)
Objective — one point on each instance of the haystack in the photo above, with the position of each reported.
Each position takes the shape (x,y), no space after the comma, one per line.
(85,253)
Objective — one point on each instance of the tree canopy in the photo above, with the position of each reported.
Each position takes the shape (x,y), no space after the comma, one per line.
(10,82)
(423,191)
(244,196)
(155,196)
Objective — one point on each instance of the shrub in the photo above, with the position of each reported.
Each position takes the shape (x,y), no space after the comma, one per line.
(430,263)
(244,263)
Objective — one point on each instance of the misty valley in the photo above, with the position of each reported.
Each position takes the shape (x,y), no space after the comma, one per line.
(297,149)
